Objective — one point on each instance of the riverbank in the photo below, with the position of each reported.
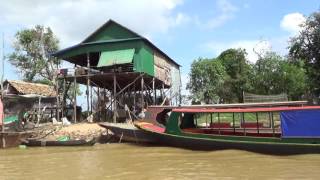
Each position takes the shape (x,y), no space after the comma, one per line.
(77,131)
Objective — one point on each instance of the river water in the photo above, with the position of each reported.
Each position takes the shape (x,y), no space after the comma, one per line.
(127,161)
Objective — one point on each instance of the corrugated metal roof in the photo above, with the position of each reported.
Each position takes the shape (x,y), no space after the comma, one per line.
(109,58)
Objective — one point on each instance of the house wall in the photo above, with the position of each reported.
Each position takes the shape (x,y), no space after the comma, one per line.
(162,68)
(143,62)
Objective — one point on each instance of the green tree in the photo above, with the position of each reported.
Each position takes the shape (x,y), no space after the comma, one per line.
(238,70)
(267,73)
(31,56)
(306,46)
(206,80)
(274,74)
(294,79)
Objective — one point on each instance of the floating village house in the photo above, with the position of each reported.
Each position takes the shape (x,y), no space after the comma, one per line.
(124,69)
(38,100)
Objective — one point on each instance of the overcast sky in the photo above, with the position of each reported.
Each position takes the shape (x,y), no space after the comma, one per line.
(184,29)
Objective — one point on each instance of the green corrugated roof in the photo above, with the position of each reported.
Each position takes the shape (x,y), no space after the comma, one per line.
(109,58)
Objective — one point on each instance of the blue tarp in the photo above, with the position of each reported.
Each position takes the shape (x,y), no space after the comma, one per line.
(300,123)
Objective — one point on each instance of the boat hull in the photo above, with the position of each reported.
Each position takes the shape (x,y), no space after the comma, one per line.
(59,143)
(12,139)
(209,144)
(128,133)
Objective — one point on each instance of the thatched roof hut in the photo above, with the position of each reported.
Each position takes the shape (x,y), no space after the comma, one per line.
(17,87)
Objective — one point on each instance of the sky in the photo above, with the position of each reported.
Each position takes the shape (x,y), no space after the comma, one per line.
(183,29)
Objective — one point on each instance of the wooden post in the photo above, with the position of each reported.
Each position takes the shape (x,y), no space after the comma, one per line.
(154,91)
(63,97)
(39,113)
(155,94)
(75,100)
(162,93)
(88,82)
(104,103)
(142,96)
(115,98)
(91,99)
(99,104)
(134,97)
(58,100)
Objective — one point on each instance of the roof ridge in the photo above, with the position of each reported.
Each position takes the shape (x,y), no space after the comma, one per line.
(106,24)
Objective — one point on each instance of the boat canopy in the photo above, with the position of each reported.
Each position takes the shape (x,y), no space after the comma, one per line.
(300,123)
(243,110)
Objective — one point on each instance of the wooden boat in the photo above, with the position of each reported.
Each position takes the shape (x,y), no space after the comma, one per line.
(127,132)
(81,142)
(12,138)
(274,130)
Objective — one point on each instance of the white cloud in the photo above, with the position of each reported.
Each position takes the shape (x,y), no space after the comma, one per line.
(227,11)
(73,20)
(292,22)
(251,47)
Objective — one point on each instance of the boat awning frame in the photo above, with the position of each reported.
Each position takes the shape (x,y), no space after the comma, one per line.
(244,110)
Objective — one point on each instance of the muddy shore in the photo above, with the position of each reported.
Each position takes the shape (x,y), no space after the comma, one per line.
(77,131)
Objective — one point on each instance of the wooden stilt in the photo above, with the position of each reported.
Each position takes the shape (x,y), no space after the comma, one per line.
(134,97)
(63,98)
(154,91)
(75,100)
(104,103)
(142,96)
(115,98)
(162,93)
(90,99)
(99,105)
(58,100)
(88,83)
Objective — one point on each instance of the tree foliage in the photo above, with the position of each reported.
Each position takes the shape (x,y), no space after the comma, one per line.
(206,80)
(31,56)
(238,69)
(224,79)
(306,47)
(274,74)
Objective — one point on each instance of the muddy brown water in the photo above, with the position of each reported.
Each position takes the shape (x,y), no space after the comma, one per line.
(126,161)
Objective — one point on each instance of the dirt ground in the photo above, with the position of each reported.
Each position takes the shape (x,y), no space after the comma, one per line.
(74,131)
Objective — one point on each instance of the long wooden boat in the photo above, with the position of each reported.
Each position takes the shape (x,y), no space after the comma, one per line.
(127,132)
(10,139)
(274,130)
(80,142)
